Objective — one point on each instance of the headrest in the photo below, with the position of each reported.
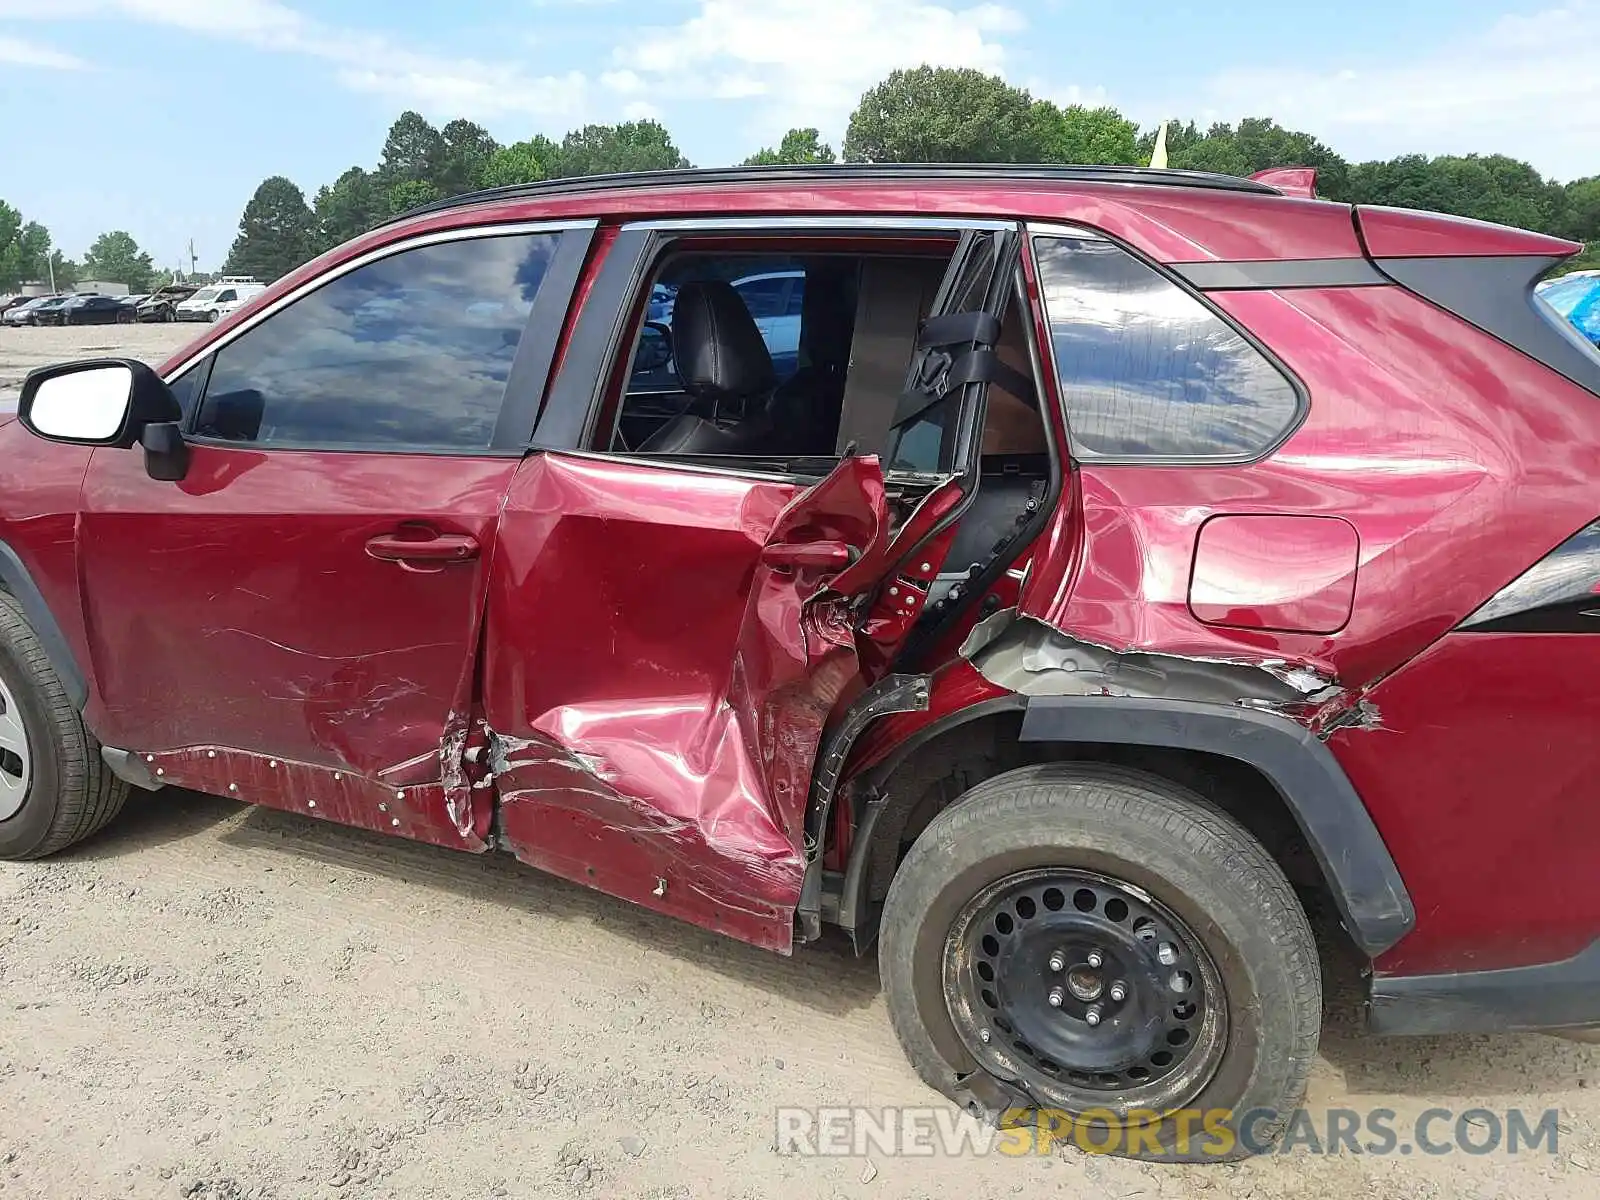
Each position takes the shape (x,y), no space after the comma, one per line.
(715,341)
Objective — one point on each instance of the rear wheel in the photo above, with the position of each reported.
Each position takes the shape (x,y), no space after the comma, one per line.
(1097,944)
(54,788)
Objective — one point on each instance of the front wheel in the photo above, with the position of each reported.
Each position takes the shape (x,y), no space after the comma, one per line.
(54,788)
(1100,952)
(213,316)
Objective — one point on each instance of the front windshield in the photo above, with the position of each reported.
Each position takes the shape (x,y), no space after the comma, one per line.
(204,295)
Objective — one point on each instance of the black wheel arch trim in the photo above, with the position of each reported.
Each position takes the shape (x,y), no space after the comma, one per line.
(1362,876)
(17,580)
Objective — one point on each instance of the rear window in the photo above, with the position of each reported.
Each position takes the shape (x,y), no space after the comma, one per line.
(1146,369)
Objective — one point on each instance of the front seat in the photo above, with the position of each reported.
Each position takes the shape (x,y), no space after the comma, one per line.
(721,358)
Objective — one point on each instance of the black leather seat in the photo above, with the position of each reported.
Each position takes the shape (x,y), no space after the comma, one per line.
(722,359)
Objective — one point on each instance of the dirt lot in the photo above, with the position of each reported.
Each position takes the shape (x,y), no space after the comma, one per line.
(21,350)
(215,1001)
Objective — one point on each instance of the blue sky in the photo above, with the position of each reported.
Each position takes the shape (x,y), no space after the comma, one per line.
(161,116)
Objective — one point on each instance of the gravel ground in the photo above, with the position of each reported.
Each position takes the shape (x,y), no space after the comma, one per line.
(219,1002)
(21,350)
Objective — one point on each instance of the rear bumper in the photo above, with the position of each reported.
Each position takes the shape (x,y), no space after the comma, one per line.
(1544,996)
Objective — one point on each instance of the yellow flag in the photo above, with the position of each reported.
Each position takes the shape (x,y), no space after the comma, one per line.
(1159,157)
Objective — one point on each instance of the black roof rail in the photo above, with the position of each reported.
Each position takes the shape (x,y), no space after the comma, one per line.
(846,172)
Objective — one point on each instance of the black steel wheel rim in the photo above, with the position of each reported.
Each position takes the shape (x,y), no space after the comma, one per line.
(1086,991)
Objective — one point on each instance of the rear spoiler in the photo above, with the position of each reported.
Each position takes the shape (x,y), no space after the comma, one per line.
(1291,181)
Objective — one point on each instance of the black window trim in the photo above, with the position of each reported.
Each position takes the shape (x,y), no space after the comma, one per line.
(578,393)
(1038,229)
(530,367)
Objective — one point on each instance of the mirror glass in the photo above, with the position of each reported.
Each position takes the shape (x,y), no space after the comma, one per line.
(86,406)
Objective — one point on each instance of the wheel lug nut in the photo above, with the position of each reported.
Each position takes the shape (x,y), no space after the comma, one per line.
(1096,959)
(1056,997)
(1119,991)
(983,1036)
(1093,1015)
(1058,962)
(1167,953)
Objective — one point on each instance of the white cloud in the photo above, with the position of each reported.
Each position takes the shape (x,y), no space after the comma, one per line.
(17,52)
(362,61)
(806,62)
(1525,86)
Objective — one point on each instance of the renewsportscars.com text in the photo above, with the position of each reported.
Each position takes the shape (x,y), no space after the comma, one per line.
(938,1130)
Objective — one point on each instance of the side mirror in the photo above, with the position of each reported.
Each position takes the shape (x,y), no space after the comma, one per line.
(655,347)
(95,402)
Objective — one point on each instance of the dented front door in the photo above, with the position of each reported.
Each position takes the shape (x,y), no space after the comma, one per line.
(296,628)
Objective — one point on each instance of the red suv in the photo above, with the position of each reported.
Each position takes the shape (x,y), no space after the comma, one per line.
(1125,560)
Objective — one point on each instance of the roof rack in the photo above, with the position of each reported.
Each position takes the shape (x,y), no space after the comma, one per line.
(842,172)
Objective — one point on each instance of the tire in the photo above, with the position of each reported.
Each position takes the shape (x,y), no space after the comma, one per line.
(213,316)
(70,793)
(1152,847)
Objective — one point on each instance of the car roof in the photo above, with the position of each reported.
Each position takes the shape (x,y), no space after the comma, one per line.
(856,174)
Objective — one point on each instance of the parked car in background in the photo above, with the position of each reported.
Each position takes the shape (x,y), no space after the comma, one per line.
(93,310)
(22,312)
(217,301)
(7,303)
(1577,298)
(162,304)
(48,312)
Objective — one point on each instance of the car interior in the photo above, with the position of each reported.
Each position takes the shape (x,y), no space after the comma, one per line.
(706,384)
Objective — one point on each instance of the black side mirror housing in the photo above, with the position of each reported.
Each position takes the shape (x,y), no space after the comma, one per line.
(166,454)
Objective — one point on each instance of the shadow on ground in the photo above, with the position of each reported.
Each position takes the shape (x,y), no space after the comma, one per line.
(1436,1068)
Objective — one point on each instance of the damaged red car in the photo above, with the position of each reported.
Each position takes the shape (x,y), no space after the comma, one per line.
(1124,563)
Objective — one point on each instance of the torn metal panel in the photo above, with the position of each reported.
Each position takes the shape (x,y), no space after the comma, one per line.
(1026,656)
(569,813)
(420,811)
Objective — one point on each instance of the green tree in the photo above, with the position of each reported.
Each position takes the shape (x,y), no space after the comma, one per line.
(800,147)
(414,152)
(276,234)
(1486,187)
(1580,210)
(116,257)
(521,162)
(24,249)
(63,270)
(1075,134)
(607,149)
(347,208)
(410,193)
(467,150)
(943,115)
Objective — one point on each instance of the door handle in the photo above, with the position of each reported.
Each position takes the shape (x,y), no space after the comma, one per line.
(441,548)
(815,555)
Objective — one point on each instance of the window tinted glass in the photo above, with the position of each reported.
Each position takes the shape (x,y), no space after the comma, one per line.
(1146,369)
(411,350)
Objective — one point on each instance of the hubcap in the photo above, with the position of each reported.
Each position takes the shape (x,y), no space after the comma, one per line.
(14,769)
(1086,991)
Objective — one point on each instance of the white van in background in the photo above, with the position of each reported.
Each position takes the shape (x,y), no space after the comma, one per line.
(216,301)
